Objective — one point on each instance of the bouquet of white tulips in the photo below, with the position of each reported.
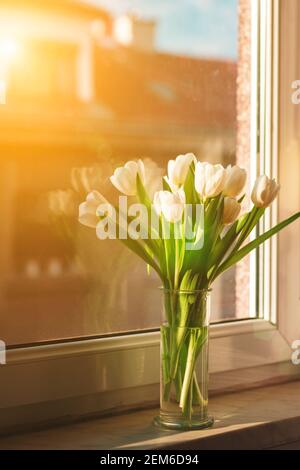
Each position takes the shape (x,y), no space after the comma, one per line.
(189,231)
(217,191)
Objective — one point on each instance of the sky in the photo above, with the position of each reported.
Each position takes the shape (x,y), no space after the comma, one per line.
(201,28)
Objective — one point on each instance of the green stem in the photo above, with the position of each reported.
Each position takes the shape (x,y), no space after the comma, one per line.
(178,384)
(177,343)
(182,342)
(189,370)
(165,358)
(166,251)
(177,263)
(199,400)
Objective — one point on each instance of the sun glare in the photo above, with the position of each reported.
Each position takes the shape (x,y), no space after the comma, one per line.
(9,49)
(2,91)
(123,30)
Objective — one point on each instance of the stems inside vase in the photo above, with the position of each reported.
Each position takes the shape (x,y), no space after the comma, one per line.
(184,356)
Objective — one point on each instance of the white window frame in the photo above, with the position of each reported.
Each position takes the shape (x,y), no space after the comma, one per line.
(289,170)
(90,376)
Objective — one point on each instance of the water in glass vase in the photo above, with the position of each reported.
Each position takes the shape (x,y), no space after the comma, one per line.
(184,361)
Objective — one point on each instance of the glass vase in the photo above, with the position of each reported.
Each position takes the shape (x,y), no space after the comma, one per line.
(184,360)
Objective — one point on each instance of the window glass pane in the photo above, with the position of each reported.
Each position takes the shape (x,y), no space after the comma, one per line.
(84,87)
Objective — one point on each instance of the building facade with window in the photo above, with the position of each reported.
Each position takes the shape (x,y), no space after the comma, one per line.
(76,97)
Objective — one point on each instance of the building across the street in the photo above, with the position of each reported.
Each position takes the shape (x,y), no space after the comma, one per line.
(74,94)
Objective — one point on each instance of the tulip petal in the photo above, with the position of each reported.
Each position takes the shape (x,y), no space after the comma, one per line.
(87,215)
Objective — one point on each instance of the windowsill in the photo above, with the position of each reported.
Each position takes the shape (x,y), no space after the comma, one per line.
(254,419)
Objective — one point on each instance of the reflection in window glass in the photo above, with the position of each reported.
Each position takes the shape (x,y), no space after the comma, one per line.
(86,86)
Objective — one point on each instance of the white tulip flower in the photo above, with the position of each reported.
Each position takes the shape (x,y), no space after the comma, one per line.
(264,191)
(87,209)
(235,181)
(178,170)
(171,205)
(124,178)
(209,179)
(231,210)
(153,177)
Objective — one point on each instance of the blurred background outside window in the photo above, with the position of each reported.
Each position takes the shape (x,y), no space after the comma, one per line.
(85,86)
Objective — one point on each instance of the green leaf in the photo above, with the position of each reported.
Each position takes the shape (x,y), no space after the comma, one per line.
(237,256)
(241,227)
(223,244)
(241,222)
(212,228)
(189,186)
(168,250)
(189,281)
(211,212)
(140,248)
(252,220)
(142,193)
(199,260)
(154,244)
(141,251)
(166,186)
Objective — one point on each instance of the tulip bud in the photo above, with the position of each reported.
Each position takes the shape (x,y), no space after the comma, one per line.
(231,210)
(264,191)
(178,170)
(124,178)
(171,205)
(209,179)
(87,209)
(235,181)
